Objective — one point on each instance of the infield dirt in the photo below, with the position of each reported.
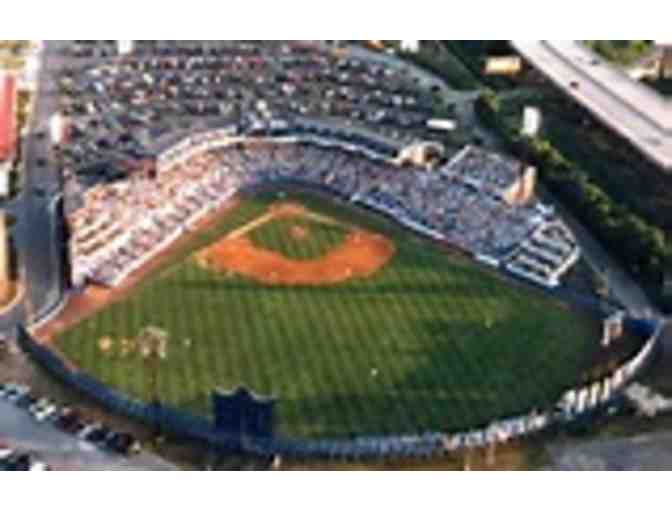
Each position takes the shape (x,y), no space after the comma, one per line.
(360,255)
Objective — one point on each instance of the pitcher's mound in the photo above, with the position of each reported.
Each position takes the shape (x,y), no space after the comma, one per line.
(299,233)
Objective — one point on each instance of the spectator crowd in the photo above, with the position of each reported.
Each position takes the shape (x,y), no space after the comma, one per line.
(122,224)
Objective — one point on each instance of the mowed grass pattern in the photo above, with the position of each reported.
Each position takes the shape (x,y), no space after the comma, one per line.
(431,341)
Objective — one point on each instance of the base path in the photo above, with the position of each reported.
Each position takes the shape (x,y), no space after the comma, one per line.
(359,256)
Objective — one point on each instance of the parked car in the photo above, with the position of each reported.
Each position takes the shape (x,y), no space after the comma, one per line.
(100,435)
(45,412)
(37,405)
(17,392)
(5,388)
(124,443)
(11,460)
(38,465)
(25,401)
(17,461)
(88,429)
(68,420)
(5,453)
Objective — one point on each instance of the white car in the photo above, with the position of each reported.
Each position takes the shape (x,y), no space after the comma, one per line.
(38,465)
(39,406)
(34,408)
(45,412)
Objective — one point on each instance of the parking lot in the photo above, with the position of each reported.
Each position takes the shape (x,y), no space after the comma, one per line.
(119,106)
(62,451)
(19,430)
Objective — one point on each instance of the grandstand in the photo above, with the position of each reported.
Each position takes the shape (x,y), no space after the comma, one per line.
(121,225)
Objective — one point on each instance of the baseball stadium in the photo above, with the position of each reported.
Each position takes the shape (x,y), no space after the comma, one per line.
(354,323)
(367,286)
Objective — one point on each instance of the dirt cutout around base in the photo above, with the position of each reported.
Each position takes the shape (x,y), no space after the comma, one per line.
(360,255)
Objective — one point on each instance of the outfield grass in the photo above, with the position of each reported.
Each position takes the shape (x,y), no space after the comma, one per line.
(454,345)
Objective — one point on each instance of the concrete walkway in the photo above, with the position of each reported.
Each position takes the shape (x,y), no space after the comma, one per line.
(645,452)
(621,285)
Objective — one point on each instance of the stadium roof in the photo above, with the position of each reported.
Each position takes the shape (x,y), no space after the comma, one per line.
(7,116)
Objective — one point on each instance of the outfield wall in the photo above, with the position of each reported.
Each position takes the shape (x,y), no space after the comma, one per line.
(576,404)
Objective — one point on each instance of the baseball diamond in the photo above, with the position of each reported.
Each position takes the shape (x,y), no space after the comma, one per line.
(428,340)
(282,250)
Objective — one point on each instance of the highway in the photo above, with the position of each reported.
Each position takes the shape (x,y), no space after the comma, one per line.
(630,108)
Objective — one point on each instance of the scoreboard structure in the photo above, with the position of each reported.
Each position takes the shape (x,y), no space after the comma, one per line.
(242,414)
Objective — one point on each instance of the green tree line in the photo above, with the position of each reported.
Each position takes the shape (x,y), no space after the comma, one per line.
(641,246)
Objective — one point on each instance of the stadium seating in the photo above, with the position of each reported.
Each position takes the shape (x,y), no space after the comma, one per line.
(146,214)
